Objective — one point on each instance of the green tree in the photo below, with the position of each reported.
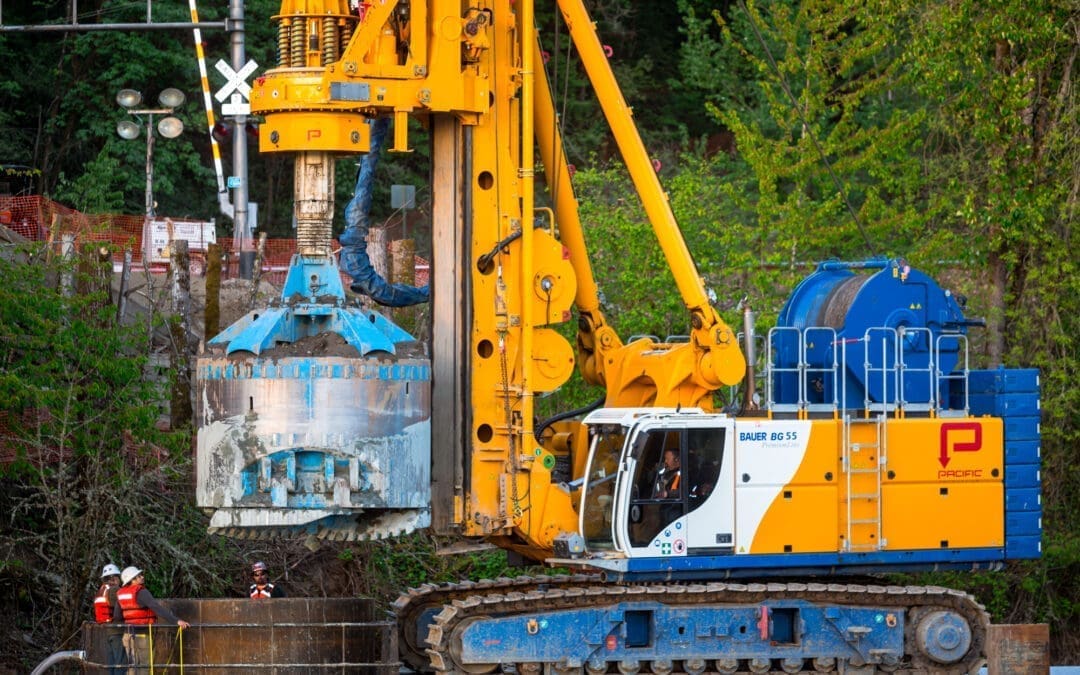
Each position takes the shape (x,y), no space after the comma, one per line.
(948,130)
(66,114)
(88,478)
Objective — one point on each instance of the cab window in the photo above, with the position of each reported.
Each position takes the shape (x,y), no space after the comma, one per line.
(675,473)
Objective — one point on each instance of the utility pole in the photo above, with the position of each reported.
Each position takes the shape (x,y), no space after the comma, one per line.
(240,112)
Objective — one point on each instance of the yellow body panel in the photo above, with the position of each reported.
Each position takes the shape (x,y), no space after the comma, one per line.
(821,464)
(321,131)
(941,485)
(934,515)
(816,506)
(945,450)
(812,494)
(944,483)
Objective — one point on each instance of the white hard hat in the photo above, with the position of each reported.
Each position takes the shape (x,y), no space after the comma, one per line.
(129,573)
(110,570)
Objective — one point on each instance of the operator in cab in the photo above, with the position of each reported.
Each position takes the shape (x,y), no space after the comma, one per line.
(669,477)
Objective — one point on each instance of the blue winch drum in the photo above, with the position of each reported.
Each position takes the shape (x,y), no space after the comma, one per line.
(869,309)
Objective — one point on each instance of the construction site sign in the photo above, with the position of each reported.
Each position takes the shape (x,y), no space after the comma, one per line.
(158,233)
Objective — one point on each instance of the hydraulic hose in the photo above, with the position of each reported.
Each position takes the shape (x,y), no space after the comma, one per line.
(354,257)
(565,415)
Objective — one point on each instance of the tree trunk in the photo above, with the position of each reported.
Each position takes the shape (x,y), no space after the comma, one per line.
(180,278)
(212,316)
(995,322)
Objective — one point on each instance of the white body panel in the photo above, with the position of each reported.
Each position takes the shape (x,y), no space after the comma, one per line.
(767,455)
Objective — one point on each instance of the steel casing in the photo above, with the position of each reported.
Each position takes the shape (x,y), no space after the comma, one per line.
(297,442)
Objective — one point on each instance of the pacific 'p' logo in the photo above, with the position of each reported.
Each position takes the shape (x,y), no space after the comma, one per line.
(959,437)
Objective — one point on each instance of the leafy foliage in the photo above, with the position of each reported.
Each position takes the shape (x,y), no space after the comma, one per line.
(950,130)
(91,479)
(790,132)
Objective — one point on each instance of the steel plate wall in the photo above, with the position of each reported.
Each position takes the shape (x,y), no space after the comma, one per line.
(281,635)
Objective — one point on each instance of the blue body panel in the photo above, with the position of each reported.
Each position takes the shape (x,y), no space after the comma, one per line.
(652,631)
(1003,381)
(1021,452)
(692,567)
(1021,475)
(1013,395)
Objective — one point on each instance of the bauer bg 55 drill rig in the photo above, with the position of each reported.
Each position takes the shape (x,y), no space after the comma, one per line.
(699,540)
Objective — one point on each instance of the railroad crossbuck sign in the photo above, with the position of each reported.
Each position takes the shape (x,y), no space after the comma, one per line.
(236,88)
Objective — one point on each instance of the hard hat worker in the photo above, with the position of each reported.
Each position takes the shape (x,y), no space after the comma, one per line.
(135,607)
(136,603)
(669,485)
(104,601)
(261,587)
(106,594)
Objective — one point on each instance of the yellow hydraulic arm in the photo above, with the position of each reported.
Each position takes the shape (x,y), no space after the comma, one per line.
(468,73)
(680,378)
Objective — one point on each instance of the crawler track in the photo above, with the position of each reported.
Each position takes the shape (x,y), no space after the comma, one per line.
(413,603)
(451,606)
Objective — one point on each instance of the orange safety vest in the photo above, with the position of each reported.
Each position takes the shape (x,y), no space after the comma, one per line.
(102,606)
(260,592)
(133,612)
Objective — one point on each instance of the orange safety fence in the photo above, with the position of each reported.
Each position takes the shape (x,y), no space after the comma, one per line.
(39,219)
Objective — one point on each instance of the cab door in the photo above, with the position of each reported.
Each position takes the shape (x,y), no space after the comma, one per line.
(672,507)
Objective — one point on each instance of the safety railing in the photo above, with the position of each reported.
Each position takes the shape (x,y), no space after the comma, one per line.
(882,344)
(911,375)
(902,370)
(959,375)
(782,340)
(821,379)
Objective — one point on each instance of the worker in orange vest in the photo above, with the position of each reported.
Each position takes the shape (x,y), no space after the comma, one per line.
(135,606)
(103,601)
(103,613)
(262,587)
(136,603)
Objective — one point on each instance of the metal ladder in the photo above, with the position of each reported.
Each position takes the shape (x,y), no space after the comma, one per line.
(863,479)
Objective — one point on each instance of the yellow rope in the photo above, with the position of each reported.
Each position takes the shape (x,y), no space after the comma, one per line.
(180,640)
(150,632)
